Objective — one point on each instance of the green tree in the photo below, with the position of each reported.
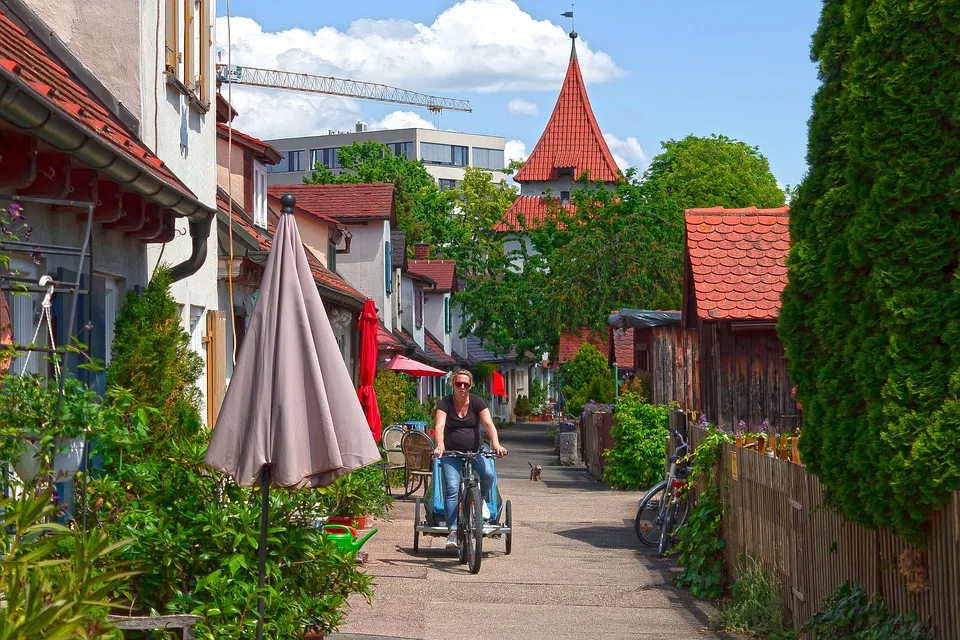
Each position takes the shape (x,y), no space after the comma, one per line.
(871,312)
(423,211)
(589,376)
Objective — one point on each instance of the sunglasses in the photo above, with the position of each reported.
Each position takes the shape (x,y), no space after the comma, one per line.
(462,385)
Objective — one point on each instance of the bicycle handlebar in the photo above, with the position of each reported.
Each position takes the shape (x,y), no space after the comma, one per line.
(469,454)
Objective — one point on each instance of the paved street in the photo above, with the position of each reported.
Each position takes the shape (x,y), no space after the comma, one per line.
(576,570)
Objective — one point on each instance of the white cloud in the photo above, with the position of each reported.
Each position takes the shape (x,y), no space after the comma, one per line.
(269,114)
(402,120)
(627,152)
(478,45)
(514,150)
(523,107)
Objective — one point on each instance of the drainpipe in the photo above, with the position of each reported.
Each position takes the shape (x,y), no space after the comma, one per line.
(199,232)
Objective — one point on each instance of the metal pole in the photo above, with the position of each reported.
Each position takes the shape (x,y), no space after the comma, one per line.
(616,380)
(264,525)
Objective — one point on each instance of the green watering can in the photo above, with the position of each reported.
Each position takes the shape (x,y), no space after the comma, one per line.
(346,540)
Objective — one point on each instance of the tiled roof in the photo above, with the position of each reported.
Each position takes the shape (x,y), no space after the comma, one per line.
(572,137)
(27,63)
(264,151)
(273,205)
(386,340)
(737,260)
(476,352)
(532,209)
(443,272)
(572,339)
(342,202)
(435,350)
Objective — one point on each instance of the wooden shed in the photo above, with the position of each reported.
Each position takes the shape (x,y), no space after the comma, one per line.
(734,273)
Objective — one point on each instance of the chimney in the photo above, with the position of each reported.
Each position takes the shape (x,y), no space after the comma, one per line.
(361,127)
(421,251)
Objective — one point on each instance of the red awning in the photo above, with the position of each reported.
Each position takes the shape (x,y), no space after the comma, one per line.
(411,367)
(499,385)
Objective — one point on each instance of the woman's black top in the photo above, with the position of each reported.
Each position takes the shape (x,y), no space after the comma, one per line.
(462,434)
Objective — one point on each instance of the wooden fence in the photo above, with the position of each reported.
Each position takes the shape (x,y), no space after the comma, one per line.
(595,438)
(773,513)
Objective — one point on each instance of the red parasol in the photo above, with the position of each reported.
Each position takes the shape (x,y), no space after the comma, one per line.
(411,367)
(368,367)
(499,385)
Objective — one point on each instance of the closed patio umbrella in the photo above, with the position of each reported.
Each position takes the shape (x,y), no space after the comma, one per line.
(369,324)
(291,417)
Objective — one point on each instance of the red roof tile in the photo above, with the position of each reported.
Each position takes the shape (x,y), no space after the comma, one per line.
(264,151)
(264,241)
(572,137)
(386,340)
(435,350)
(443,272)
(738,261)
(533,210)
(342,202)
(572,339)
(623,348)
(28,63)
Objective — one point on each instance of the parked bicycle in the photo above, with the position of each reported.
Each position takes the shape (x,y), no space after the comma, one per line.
(664,509)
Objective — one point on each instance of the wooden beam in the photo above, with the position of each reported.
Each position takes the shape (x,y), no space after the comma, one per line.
(108,202)
(169,228)
(132,218)
(51,179)
(18,161)
(83,188)
(152,223)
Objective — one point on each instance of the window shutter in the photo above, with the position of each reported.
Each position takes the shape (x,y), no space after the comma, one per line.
(388,266)
(446,315)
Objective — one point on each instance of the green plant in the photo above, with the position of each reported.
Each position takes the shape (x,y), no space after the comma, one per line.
(701,544)
(755,605)
(848,614)
(55,581)
(522,407)
(151,354)
(639,436)
(394,393)
(585,374)
(538,393)
(871,308)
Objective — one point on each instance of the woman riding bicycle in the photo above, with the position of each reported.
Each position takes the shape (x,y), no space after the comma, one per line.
(457,428)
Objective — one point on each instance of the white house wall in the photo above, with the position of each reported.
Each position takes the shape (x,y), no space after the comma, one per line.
(364,266)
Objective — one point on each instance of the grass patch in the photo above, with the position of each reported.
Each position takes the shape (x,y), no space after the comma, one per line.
(755,605)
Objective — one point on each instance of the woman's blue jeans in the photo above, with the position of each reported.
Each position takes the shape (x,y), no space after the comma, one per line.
(450,468)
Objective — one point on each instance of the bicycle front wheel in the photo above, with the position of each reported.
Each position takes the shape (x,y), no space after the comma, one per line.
(472,526)
(649,518)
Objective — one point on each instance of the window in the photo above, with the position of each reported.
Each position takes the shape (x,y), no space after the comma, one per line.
(188,45)
(643,358)
(196,328)
(297,160)
(418,307)
(331,255)
(432,153)
(565,197)
(330,158)
(280,167)
(402,149)
(488,158)
(447,184)
(259,195)
(447,318)
(388,266)
(565,172)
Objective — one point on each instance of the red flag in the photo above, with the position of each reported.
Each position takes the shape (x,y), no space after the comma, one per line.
(499,385)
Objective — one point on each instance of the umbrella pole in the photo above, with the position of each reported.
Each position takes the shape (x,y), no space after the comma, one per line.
(264,523)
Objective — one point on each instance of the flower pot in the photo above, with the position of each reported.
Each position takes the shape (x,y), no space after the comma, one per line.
(66,462)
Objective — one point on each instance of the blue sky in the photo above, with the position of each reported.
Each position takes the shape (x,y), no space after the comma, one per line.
(654,70)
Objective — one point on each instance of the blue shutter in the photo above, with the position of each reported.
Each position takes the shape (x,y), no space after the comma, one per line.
(388,266)
(447,324)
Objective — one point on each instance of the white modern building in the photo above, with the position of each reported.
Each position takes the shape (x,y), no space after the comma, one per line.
(445,154)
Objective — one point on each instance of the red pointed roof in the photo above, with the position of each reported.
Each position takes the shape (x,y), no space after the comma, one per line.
(531,210)
(737,260)
(572,137)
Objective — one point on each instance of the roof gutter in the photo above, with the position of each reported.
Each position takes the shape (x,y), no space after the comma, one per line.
(25,108)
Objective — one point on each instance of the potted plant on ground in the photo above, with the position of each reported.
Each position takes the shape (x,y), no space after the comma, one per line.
(356,498)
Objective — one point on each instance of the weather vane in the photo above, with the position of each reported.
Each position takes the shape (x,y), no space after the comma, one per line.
(573,24)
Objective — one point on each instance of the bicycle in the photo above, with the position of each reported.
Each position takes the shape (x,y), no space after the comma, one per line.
(470,531)
(664,508)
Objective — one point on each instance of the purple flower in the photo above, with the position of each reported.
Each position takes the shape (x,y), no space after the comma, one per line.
(703,421)
(764,426)
(742,426)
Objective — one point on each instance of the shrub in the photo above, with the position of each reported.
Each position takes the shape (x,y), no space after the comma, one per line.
(871,310)
(522,406)
(755,605)
(585,377)
(394,393)
(361,492)
(538,393)
(848,614)
(639,437)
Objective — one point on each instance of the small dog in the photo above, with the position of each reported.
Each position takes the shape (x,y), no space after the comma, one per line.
(536,472)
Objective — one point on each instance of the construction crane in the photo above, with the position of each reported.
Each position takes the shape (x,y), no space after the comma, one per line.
(273,79)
